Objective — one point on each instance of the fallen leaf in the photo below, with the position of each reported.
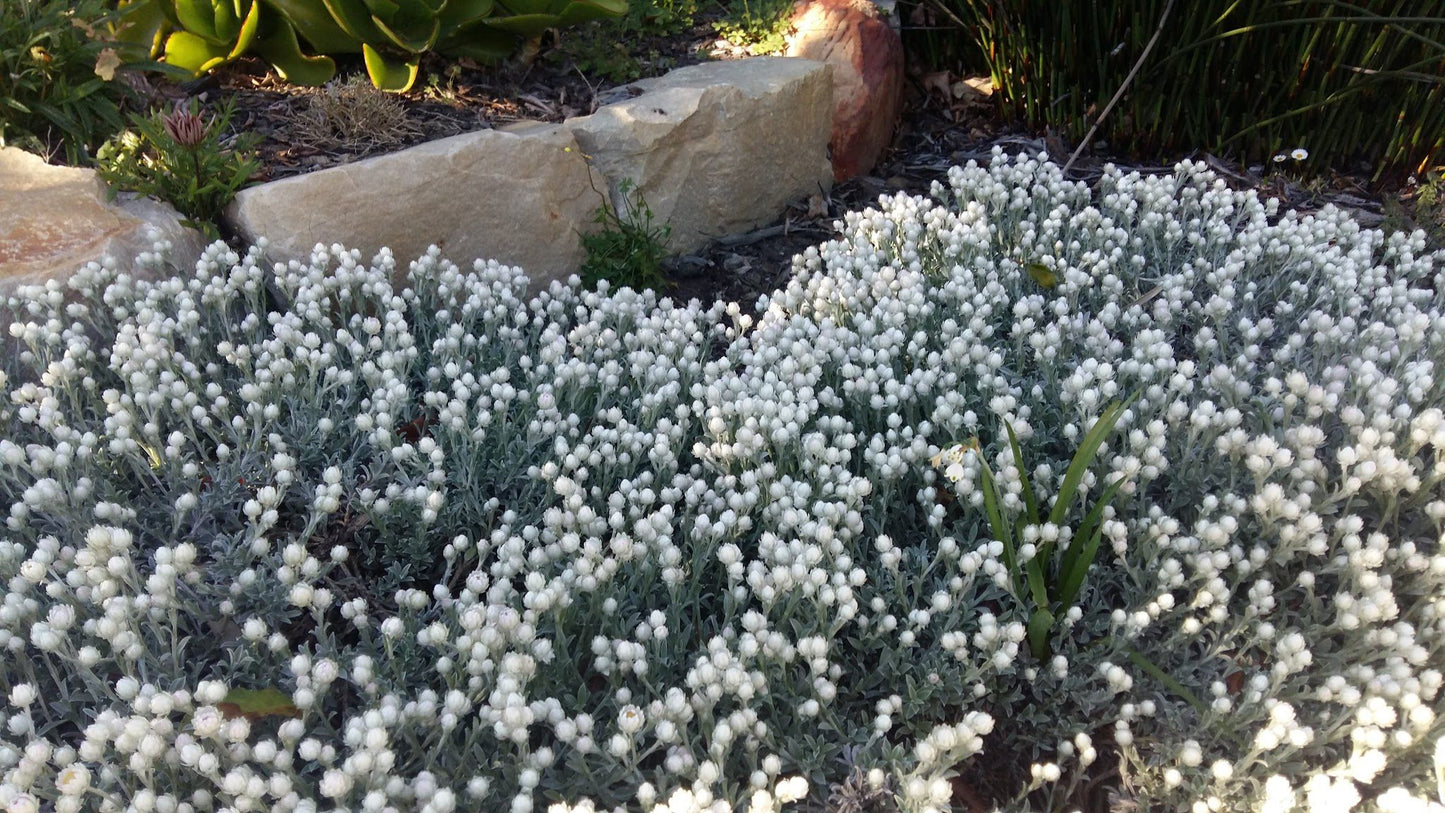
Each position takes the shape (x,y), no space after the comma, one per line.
(1234,682)
(106,63)
(1148,295)
(938,82)
(1042,275)
(86,27)
(254,704)
(973,85)
(817,207)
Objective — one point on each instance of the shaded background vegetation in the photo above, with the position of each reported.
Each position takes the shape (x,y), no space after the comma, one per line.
(1360,85)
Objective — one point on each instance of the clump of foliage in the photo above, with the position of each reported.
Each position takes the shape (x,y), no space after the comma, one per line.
(59,93)
(761,25)
(300,37)
(1237,78)
(609,49)
(1430,204)
(307,536)
(617,49)
(189,160)
(629,249)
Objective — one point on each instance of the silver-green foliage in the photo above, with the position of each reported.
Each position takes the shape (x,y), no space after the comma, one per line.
(501,551)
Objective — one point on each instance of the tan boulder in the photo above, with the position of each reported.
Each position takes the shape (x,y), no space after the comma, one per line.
(716,148)
(520,196)
(54,220)
(867,59)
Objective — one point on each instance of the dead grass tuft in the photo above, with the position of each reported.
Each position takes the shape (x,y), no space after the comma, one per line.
(355,117)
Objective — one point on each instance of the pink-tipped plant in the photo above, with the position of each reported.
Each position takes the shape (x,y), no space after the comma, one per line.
(182,157)
(186,127)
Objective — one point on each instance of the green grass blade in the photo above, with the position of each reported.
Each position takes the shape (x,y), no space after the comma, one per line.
(1169,683)
(1040,623)
(996,521)
(1029,501)
(1093,439)
(1083,549)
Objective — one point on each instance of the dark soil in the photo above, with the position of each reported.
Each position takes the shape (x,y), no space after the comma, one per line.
(943,124)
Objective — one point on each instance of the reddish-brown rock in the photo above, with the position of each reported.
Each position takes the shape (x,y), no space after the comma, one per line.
(867,59)
(53,220)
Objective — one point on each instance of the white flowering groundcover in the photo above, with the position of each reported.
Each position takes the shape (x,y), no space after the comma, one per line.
(294,539)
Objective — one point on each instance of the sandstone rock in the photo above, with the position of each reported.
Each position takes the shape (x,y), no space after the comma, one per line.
(53,220)
(867,59)
(716,148)
(519,196)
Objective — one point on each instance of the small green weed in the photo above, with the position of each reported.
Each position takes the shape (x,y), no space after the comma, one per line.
(602,54)
(761,25)
(181,158)
(607,49)
(630,248)
(1421,206)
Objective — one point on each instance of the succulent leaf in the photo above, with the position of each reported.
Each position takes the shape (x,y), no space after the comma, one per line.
(416,38)
(142,23)
(315,25)
(283,51)
(354,17)
(199,18)
(388,72)
(456,13)
(194,53)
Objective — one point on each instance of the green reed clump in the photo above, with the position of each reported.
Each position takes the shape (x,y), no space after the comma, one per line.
(1352,82)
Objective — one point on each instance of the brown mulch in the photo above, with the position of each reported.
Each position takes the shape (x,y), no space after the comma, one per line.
(449,98)
(945,122)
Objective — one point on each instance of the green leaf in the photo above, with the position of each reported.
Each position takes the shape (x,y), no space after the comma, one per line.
(354,18)
(205,46)
(997,523)
(249,28)
(478,42)
(526,26)
(1034,571)
(198,18)
(1083,549)
(153,456)
(227,19)
(587,10)
(282,50)
(1042,275)
(257,703)
(192,53)
(316,26)
(462,12)
(417,38)
(522,8)
(1029,501)
(530,18)
(1084,456)
(1038,631)
(388,73)
(1169,682)
(141,23)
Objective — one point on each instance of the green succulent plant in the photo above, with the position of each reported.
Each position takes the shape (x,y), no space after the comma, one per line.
(197,36)
(299,37)
(529,18)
